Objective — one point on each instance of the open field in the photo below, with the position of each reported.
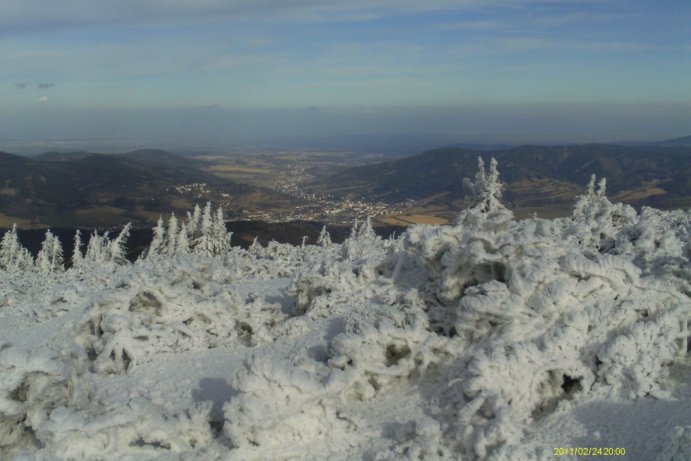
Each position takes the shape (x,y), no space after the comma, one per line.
(406,220)
(7,221)
(640,193)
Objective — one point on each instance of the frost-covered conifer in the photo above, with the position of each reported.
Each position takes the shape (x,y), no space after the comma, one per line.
(24,259)
(366,231)
(221,236)
(117,251)
(255,248)
(354,229)
(324,239)
(204,244)
(595,220)
(594,201)
(9,248)
(77,256)
(13,256)
(486,189)
(193,223)
(182,244)
(49,258)
(95,252)
(172,235)
(158,242)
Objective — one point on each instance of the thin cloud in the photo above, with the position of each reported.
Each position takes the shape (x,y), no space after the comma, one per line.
(45,86)
(43,98)
(20,85)
(32,15)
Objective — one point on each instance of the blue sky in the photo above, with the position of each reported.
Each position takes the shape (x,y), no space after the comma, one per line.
(241,70)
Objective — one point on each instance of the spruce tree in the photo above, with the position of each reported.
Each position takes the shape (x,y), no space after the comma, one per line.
(49,258)
(158,240)
(117,251)
(204,244)
(172,235)
(9,248)
(221,237)
(77,257)
(486,189)
(324,239)
(182,243)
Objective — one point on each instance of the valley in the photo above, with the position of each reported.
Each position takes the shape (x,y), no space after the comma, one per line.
(90,190)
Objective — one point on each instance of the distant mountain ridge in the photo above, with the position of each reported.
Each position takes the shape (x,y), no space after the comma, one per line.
(84,188)
(534,175)
(683,141)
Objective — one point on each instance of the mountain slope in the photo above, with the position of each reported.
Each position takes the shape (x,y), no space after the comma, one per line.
(84,189)
(534,175)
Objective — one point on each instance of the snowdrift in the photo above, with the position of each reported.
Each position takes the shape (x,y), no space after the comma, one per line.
(484,340)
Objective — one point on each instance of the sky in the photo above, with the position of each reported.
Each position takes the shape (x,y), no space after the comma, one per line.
(215,72)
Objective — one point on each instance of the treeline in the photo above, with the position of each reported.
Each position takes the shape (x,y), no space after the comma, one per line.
(138,240)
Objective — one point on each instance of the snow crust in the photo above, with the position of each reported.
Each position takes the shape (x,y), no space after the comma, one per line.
(483,340)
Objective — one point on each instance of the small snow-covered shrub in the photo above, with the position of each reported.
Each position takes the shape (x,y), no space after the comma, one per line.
(380,348)
(32,385)
(150,314)
(139,429)
(282,403)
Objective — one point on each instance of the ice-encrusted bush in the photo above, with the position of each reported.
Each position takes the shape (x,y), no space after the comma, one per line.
(380,348)
(596,221)
(152,313)
(282,403)
(139,429)
(535,316)
(515,286)
(416,440)
(32,385)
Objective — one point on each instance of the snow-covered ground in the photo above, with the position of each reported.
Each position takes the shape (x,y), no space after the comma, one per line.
(488,339)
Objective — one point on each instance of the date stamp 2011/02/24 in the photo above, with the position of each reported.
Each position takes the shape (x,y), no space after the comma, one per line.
(589,451)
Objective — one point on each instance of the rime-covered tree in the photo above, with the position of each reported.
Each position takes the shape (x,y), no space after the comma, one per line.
(324,239)
(590,203)
(24,260)
(362,239)
(159,239)
(56,256)
(595,220)
(193,223)
(366,231)
(485,191)
(172,235)
(77,256)
(255,248)
(94,249)
(49,258)
(117,252)
(9,248)
(354,229)
(13,256)
(204,244)
(182,244)
(221,236)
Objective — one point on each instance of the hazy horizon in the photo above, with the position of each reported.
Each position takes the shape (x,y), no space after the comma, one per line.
(328,74)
